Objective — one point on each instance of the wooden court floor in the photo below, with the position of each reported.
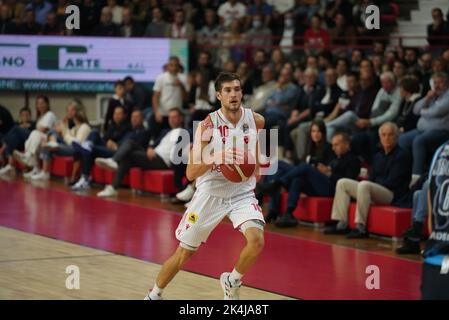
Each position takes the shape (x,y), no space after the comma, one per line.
(34,267)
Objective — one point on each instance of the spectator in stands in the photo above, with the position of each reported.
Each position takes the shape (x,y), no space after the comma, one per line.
(356,59)
(116,11)
(157,28)
(385,108)
(277,60)
(135,94)
(201,8)
(46,120)
(140,9)
(169,92)
(40,8)
(425,68)
(319,153)
(388,184)
(335,7)
(258,63)
(106,27)
(231,10)
(342,36)
(399,70)
(7,25)
(279,104)
(129,27)
(438,29)
(180,28)
(205,65)
(411,59)
(210,32)
(244,73)
(118,99)
(52,26)
(233,44)
(155,157)
(316,38)
(259,35)
(306,9)
(29,25)
(74,127)
(433,125)
(342,68)
(262,92)
(322,107)
(291,35)
(259,7)
(6,121)
(202,97)
(15,139)
(409,91)
(97,146)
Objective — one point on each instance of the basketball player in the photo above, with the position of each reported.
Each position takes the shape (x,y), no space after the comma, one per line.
(215,196)
(435,271)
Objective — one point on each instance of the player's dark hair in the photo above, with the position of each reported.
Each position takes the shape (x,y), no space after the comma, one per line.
(225,77)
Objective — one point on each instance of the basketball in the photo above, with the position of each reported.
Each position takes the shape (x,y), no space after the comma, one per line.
(239,173)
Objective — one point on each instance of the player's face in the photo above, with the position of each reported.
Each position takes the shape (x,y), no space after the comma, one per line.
(230,95)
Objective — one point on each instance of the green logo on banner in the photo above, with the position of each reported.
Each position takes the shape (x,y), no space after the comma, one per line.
(48,57)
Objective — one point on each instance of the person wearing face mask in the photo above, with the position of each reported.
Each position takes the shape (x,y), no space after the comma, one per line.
(291,35)
(259,35)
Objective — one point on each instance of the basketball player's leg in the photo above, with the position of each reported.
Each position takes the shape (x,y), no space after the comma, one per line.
(252,250)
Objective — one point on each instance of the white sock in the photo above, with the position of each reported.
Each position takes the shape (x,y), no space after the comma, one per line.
(156,292)
(235,277)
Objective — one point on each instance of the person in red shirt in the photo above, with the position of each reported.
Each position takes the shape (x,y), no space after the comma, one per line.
(316,38)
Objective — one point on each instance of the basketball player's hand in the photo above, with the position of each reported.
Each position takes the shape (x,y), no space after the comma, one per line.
(228,156)
(150,153)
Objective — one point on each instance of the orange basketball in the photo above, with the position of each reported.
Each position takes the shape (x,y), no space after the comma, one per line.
(239,173)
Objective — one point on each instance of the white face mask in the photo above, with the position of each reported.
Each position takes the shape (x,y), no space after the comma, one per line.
(288,23)
(257,24)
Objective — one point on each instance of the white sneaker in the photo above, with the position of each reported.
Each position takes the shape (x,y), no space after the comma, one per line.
(29,174)
(41,175)
(24,158)
(108,191)
(107,163)
(82,184)
(147,297)
(7,170)
(186,194)
(231,292)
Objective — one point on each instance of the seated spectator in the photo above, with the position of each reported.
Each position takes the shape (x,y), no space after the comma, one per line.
(244,73)
(291,35)
(6,121)
(385,108)
(306,9)
(356,59)
(259,61)
(210,32)
(7,25)
(96,146)
(200,9)
(180,28)
(40,8)
(342,36)
(414,234)
(169,92)
(388,184)
(52,26)
(129,27)
(399,70)
(118,99)
(205,66)
(411,59)
(140,9)
(262,92)
(259,35)
(342,69)
(438,29)
(316,38)
(116,11)
(155,157)
(73,128)
(157,28)
(46,120)
(425,68)
(318,152)
(231,10)
(15,139)
(321,108)
(409,91)
(106,27)
(135,94)
(29,25)
(232,44)
(336,7)
(433,125)
(277,60)
(261,8)
(203,98)
(89,15)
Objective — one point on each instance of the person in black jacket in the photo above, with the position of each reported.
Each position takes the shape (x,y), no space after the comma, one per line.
(319,154)
(118,99)
(388,184)
(96,146)
(409,90)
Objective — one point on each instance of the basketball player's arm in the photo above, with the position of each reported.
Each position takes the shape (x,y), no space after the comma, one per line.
(260,124)
(196,166)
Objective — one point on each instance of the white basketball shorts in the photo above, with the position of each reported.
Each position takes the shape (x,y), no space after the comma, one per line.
(205,212)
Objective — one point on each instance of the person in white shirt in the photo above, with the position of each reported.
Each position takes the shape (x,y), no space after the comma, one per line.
(231,10)
(156,157)
(74,127)
(169,92)
(46,120)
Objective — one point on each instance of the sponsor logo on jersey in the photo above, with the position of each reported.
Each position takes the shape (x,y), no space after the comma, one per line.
(193,217)
(245,128)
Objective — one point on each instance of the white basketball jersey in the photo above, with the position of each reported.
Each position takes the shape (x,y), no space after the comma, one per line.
(244,137)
